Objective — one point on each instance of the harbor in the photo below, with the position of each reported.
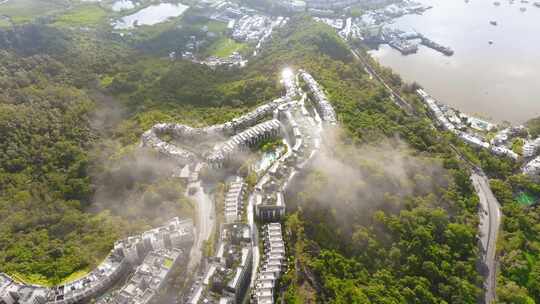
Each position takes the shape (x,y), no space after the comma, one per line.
(407,42)
(469,80)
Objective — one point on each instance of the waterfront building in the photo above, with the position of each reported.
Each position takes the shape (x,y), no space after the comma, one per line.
(531,147)
(436,111)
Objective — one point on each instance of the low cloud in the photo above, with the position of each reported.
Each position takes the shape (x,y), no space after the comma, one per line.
(350,181)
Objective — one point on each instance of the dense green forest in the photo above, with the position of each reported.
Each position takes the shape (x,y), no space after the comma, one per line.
(70,184)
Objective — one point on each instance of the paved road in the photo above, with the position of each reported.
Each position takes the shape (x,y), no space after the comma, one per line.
(254,237)
(205,223)
(490,221)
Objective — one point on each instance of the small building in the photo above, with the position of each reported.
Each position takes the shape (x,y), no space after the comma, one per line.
(270,207)
(234,201)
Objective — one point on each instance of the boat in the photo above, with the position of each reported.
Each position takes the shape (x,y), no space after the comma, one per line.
(493,22)
(490,42)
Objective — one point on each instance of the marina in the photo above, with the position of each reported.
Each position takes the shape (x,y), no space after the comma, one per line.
(469,80)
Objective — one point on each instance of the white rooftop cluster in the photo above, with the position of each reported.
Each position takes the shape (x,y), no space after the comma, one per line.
(473,140)
(234,200)
(179,132)
(227,277)
(326,111)
(448,120)
(224,152)
(151,139)
(175,234)
(335,23)
(13,292)
(531,147)
(436,111)
(278,22)
(345,33)
(251,28)
(532,168)
(504,151)
(502,137)
(272,266)
(149,278)
(233,60)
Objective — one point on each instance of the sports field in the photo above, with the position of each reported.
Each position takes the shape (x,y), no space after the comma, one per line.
(526,199)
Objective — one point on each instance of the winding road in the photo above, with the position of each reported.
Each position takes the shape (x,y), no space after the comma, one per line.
(490,221)
(205,222)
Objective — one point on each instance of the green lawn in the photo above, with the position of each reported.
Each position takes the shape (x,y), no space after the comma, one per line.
(168,263)
(85,15)
(224,47)
(22,11)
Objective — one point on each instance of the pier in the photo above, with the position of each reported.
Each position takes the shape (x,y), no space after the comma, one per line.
(434,45)
(407,42)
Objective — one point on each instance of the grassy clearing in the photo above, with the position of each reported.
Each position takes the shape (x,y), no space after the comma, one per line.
(75,276)
(106,81)
(85,15)
(4,23)
(31,279)
(216,26)
(224,47)
(22,11)
(40,280)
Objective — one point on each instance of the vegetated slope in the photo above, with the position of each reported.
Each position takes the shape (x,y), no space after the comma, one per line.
(389,215)
(44,184)
(519,243)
